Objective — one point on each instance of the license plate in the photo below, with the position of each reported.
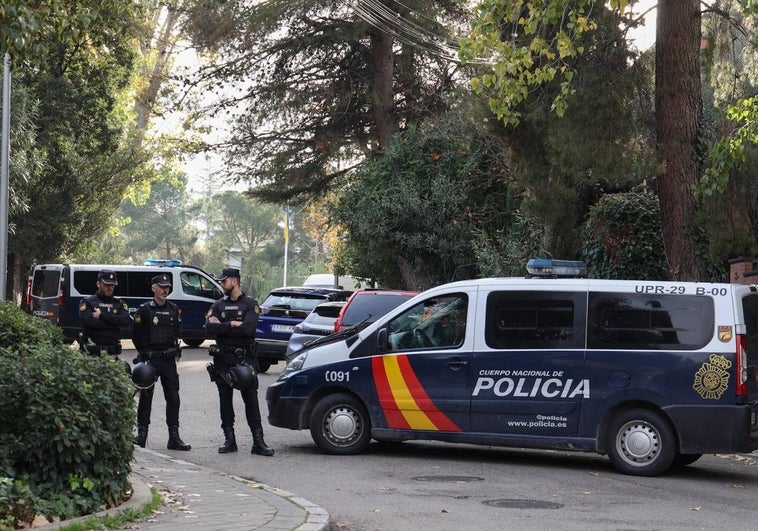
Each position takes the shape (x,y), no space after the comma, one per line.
(288,329)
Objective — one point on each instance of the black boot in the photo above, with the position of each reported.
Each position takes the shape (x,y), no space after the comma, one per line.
(141,438)
(230,443)
(259,445)
(174,441)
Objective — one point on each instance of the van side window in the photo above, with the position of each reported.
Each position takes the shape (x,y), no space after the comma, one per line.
(439,322)
(85,282)
(534,319)
(139,284)
(649,322)
(196,284)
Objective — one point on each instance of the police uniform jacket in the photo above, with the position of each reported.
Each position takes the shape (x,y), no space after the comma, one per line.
(244,309)
(114,314)
(156,328)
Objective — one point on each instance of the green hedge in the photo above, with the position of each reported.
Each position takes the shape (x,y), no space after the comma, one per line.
(622,238)
(67,422)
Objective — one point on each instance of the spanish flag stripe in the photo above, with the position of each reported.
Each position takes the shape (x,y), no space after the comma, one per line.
(415,416)
(440,420)
(386,401)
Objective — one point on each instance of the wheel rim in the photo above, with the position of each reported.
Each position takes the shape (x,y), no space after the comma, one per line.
(638,443)
(342,425)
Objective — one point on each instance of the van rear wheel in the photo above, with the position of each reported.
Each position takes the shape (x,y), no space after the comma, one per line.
(641,443)
(340,425)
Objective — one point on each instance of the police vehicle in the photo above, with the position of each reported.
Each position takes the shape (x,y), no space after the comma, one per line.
(653,374)
(55,290)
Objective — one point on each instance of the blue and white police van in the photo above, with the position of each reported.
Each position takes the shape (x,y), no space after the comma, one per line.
(653,374)
(55,290)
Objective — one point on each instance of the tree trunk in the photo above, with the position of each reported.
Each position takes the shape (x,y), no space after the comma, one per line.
(382,73)
(678,108)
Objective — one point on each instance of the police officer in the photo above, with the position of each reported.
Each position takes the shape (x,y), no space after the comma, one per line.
(102,316)
(233,320)
(155,334)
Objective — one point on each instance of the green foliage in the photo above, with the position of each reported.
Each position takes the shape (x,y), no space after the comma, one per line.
(314,72)
(533,43)
(506,254)
(77,152)
(66,434)
(622,238)
(729,151)
(410,219)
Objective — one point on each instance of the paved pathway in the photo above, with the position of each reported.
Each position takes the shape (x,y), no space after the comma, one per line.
(197,497)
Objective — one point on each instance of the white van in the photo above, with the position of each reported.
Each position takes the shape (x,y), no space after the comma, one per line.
(653,374)
(55,290)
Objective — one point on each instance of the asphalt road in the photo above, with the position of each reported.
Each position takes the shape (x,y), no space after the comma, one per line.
(427,485)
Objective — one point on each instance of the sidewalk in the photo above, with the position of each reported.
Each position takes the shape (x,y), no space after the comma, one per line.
(201,498)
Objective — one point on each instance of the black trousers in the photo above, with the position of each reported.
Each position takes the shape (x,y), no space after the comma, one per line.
(226,405)
(169,377)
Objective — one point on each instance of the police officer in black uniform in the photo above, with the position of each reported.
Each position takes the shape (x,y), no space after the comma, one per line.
(155,334)
(233,320)
(102,316)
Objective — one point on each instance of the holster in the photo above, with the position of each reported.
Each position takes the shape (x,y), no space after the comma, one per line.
(215,373)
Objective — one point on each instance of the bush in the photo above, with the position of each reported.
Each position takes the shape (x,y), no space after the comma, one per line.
(622,238)
(66,434)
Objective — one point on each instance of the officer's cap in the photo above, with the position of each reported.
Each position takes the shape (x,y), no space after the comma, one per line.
(228,272)
(163,280)
(106,276)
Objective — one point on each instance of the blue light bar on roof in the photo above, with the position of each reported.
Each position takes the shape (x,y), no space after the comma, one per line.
(167,263)
(547,267)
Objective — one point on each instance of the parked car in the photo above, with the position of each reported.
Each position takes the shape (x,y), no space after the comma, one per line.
(281,310)
(367,305)
(319,323)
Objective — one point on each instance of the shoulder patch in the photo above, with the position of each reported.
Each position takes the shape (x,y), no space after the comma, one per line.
(82,306)
(257,309)
(137,318)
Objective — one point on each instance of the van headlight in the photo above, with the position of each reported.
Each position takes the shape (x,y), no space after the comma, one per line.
(296,364)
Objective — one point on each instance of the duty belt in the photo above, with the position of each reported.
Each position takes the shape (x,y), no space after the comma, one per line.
(218,350)
(168,353)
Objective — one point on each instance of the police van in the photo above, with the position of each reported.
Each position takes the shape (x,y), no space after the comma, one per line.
(653,374)
(55,290)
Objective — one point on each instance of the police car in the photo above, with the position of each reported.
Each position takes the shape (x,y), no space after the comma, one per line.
(653,374)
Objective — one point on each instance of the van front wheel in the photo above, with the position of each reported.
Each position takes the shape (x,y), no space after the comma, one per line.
(340,425)
(641,443)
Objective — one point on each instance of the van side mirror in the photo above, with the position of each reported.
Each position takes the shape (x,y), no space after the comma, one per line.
(381,341)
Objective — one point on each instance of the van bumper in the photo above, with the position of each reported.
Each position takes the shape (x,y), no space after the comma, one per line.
(284,412)
(727,428)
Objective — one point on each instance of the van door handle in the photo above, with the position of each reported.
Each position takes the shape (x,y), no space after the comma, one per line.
(456,364)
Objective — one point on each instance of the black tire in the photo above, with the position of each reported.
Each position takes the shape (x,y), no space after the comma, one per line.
(193,343)
(340,425)
(641,443)
(682,460)
(262,365)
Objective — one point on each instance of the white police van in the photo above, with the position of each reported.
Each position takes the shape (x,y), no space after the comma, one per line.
(55,290)
(653,374)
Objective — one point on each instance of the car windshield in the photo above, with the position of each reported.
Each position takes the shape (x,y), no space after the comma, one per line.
(293,301)
(371,307)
